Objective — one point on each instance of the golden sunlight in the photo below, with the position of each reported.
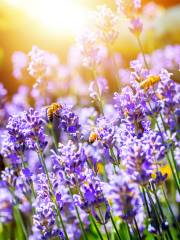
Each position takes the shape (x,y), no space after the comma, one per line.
(59,16)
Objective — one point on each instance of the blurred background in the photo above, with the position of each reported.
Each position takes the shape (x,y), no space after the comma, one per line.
(53,24)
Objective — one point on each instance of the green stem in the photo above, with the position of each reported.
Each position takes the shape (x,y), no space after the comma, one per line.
(157,217)
(142,51)
(173,173)
(100,103)
(158,203)
(170,209)
(161,211)
(19,220)
(137,228)
(167,156)
(104,225)
(175,164)
(53,135)
(96,227)
(146,203)
(79,218)
(104,167)
(114,225)
(53,198)
(129,232)
(115,66)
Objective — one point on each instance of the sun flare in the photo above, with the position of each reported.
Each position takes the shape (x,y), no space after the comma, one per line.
(60,16)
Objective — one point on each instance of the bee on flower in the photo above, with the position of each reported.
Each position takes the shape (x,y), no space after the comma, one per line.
(52,111)
(93,136)
(150,81)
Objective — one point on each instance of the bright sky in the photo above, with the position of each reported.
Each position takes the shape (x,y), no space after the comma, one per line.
(67,16)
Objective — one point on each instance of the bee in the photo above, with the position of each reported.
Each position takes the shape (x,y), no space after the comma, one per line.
(93,137)
(52,111)
(159,96)
(150,81)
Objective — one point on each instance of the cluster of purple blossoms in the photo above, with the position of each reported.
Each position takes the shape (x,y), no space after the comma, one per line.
(128,7)
(165,58)
(92,200)
(71,165)
(136,26)
(136,157)
(68,121)
(44,223)
(141,156)
(125,196)
(132,108)
(131,8)
(24,132)
(103,131)
(13,146)
(44,218)
(20,62)
(101,163)
(16,193)
(106,24)
(6,202)
(37,65)
(98,91)
(42,66)
(34,130)
(139,73)
(3,110)
(69,159)
(92,54)
(3,92)
(168,93)
(94,154)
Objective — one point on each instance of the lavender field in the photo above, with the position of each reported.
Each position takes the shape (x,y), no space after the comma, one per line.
(89,148)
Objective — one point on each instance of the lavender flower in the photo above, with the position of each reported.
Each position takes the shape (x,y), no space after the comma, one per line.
(70,161)
(3,91)
(13,146)
(44,219)
(107,24)
(132,107)
(92,54)
(44,222)
(104,132)
(20,62)
(68,121)
(168,93)
(125,196)
(159,178)
(136,26)
(138,159)
(3,108)
(34,130)
(92,200)
(69,215)
(165,58)
(102,88)
(20,187)
(25,132)
(9,176)
(128,7)
(37,66)
(6,204)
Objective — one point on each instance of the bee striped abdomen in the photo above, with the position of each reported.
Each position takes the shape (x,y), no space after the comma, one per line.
(52,110)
